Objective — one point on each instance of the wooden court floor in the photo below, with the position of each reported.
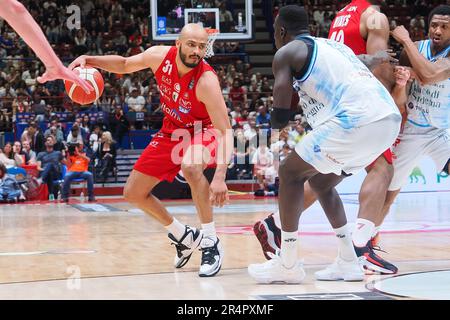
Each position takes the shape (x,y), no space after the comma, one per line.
(59,251)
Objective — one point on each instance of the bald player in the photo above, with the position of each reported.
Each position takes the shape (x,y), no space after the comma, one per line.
(193,136)
(23,23)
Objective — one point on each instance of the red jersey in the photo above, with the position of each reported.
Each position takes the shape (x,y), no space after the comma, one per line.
(178,100)
(345,28)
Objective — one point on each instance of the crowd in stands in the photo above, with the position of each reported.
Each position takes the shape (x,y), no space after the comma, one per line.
(55,159)
(131,102)
(410,13)
(107,27)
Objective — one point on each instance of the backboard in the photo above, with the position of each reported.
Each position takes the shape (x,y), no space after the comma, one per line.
(234,19)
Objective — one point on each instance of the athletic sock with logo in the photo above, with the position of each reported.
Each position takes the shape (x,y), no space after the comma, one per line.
(363,232)
(289,249)
(346,250)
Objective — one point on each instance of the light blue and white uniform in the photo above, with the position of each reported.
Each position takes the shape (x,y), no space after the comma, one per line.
(426,131)
(353,116)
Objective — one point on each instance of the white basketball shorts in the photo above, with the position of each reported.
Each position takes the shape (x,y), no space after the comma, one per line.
(413,144)
(332,148)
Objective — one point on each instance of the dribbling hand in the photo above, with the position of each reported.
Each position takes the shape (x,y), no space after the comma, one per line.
(78,62)
(54,73)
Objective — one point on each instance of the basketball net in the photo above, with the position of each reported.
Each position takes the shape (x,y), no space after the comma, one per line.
(212,36)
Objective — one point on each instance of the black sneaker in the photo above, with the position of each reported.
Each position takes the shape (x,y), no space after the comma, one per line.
(268,235)
(186,245)
(373,262)
(212,257)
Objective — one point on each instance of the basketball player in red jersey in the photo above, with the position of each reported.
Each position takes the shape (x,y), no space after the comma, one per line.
(366,31)
(193,105)
(23,23)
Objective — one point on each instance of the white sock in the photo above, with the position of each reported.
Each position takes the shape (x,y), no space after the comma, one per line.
(176,228)
(209,230)
(363,232)
(346,250)
(289,249)
(276,218)
(375,231)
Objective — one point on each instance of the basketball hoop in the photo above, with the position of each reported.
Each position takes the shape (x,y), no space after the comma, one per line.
(212,36)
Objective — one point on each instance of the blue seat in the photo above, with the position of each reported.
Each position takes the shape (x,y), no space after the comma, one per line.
(60,181)
(20,174)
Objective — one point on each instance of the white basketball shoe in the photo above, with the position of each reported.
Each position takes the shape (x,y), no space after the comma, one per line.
(341,270)
(273,271)
(186,245)
(212,257)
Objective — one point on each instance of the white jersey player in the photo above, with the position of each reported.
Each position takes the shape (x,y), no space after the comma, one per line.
(427,101)
(337,92)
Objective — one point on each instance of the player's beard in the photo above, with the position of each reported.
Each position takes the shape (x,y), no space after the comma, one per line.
(183,58)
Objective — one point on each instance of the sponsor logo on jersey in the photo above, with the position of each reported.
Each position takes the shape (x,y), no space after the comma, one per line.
(170,112)
(183,110)
(186,96)
(185,106)
(165,90)
(177,87)
(352,9)
(167,80)
(191,84)
(175,96)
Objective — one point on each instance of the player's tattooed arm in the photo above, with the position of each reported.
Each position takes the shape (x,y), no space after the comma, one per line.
(286,62)
(427,72)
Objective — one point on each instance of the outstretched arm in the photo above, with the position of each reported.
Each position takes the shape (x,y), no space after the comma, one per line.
(427,72)
(23,23)
(150,58)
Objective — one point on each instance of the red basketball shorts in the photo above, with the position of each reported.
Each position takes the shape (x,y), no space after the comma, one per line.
(163,156)
(386,155)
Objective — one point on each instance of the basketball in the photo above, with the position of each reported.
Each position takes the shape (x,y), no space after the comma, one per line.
(77,94)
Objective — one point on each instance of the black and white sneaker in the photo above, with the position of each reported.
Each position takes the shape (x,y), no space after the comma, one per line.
(186,245)
(212,256)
